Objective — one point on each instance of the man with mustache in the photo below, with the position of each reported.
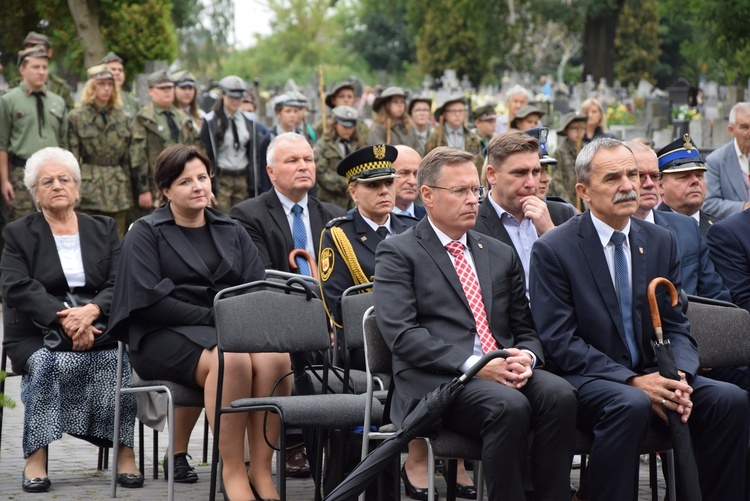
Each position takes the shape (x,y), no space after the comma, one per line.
(588,299)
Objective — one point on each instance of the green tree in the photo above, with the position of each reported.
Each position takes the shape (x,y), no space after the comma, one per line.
(203,30)
(600,26)
(637,41)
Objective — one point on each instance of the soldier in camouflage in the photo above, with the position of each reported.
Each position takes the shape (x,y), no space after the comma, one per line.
(156,126)
(54,83)
(129,102)
(99,138)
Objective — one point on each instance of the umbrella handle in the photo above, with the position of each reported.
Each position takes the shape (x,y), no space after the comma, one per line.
(305,255)
(481,363)
(655,318)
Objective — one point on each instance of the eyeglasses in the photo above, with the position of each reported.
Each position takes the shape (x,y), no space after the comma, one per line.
(48,182)
(420,110)
(463,192)
(654,177)
(457,111)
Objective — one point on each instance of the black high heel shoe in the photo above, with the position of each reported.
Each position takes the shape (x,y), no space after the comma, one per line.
(462,491)
(38,484)
(257,496)
(415,492)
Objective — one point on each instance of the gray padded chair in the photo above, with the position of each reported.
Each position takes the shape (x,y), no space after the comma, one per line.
(721,330)
(250,323)
(445,443)
(354,303)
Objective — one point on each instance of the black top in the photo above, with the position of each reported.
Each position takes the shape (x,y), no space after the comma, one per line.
(200,239)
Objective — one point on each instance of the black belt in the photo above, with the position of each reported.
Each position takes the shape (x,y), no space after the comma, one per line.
(17,161)
(230,172)
(103,161)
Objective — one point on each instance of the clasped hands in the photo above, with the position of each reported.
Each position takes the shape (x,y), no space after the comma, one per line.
(666,394)
(512,372)
(78,325)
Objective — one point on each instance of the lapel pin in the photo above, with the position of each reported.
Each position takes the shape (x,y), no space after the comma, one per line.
(710,222)
(640,249)
(364,238)
(480,246)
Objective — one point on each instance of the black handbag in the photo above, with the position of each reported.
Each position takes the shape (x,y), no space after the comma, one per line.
(55,338)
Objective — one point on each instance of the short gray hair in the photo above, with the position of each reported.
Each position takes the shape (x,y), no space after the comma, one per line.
(286,137)
(585,159)
(517,90)
(51,154)
(742,107)
(431,168)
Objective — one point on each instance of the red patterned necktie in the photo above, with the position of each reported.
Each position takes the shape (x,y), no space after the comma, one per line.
(473,293)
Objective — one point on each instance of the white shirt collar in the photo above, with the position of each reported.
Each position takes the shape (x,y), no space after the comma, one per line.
(738,151)
(649,217)
(444,239)
(605,231)
(697,216)
(287,204)
(372,224)
(409,209)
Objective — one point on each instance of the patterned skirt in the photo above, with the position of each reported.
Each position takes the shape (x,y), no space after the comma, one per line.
(74,393)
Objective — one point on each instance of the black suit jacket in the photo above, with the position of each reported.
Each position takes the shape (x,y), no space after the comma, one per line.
(265,221)
(424,315)
(31,276)
(576,310)
(705,222)
(159,261)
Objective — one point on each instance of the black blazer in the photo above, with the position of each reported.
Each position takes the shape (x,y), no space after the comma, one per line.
(160,261)
(264,219)
(31,276)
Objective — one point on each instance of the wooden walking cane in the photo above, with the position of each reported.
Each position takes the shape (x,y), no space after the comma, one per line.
(441,129)
(322,92)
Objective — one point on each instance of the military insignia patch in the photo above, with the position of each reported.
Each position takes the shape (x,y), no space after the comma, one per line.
(326,263)
(379,151)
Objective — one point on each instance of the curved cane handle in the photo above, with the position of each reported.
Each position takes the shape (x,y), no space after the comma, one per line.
(655,317)
(306,255)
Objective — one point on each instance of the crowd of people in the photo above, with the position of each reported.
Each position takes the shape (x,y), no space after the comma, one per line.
(122,222)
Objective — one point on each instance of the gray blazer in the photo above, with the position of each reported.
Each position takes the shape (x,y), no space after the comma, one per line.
(726,192)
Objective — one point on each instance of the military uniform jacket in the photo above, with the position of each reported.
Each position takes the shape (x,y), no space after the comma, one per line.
(337,262)
(332,187)
(103,151)
(60,87)
(399,135)
(472,142)
(564,173)
(147,143)
(19,126)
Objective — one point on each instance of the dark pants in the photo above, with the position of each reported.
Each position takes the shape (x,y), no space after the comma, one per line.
(619,416)
(502,417)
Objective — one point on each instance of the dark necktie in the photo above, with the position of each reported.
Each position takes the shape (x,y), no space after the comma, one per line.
(299,233)
(347,150)
(382,231)
(103,113)
(39,110)
(173,129)
(625,296)
(235,134)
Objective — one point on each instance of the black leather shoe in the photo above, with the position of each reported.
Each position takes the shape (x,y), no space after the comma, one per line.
(415,492)
(296,463)
(39,484)
(130,480)
(183,472)
(257,496)
(462,491)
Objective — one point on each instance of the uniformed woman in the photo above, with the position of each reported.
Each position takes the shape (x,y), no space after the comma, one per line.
(99,138)
(392,125)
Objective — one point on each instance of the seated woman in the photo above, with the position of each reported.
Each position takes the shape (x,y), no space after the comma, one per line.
(47,254)
(175,261)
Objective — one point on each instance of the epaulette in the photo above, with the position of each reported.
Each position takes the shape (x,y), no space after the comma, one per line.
(336,220)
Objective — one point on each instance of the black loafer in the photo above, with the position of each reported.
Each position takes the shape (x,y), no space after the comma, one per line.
(39,484)
(462,491)
(183,472)
(130,480)
(415,492)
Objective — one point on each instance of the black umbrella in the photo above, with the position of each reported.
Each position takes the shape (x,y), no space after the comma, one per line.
(427,415)
(686,469)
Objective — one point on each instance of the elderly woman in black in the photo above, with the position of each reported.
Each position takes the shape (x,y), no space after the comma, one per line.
(48,254)
(174,262)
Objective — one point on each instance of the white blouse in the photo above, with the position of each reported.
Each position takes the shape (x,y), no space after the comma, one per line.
(69,250)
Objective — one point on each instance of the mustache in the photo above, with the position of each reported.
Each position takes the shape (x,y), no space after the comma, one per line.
(622,197)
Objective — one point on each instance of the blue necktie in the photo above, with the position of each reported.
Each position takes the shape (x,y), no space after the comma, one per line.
(624,294)
(300,239)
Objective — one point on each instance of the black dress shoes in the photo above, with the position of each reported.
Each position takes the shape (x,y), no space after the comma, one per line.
(462,491)
(130,480)
(39,484)
(415,492)
(183,472)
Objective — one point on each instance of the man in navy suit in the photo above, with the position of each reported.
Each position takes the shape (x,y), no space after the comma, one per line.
(727,179)
(588,299)
(407,165)
(729,241)
(698,275)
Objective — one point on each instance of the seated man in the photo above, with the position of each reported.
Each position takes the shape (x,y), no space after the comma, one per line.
(729,241)
(444,296)
(407,165)
(596,329)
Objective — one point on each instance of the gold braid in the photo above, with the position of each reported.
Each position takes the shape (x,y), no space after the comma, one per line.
(348,255)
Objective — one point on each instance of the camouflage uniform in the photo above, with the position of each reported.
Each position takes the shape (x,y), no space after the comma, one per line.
(20,137)
(563,183)
(362,128)
(472,144)
(148,140)
(103,150)
(399,135)
(332,187)
(130,104)
(60,87)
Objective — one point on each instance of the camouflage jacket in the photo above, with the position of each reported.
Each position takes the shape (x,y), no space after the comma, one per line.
(332,188)
(362,127)
(472,144)
(147,143)
(563,183)
(60,87)
(103,151)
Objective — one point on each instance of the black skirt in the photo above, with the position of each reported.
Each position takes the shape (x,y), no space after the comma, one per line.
(167,355)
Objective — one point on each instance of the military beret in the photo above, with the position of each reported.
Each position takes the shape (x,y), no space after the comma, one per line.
(159,79)
(345,115)
(486,112)
(335,90)
(540,134)
(285,100)
(233,86)
(34,38)
(183,79)
(568,119)
(371,163)
(679,156)
(449,100)
(111,57)
(100,72)
(418,99)
(35,51)
(386,96)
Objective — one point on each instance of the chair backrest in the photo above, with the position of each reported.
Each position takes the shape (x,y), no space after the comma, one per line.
(266,321)
(722,333)
(354,303)
(377,354)
(284,276)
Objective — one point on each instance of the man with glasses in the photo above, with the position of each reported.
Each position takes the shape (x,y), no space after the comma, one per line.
(445,295)
(452,130)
